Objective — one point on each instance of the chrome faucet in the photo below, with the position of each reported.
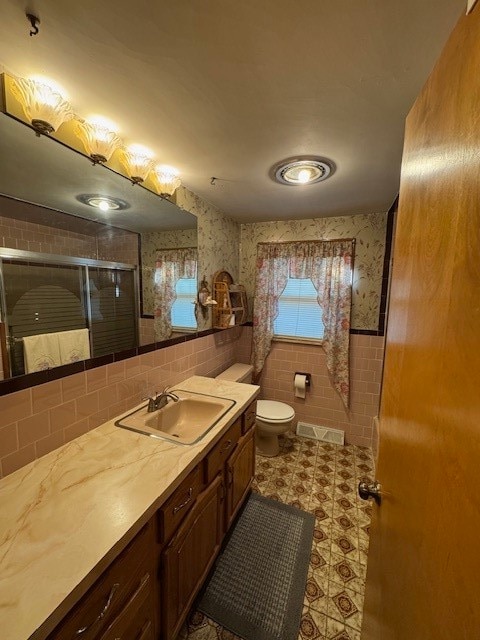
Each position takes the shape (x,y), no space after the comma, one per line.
(160,400)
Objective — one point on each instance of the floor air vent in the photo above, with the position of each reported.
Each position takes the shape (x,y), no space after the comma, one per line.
(334,436)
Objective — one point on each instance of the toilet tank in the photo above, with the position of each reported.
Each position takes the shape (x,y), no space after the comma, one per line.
(238,372)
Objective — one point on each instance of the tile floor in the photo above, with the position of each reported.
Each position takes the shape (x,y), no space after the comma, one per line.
(320,478)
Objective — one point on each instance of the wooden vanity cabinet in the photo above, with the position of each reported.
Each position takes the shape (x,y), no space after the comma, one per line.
(121,600)
(240,469)
(147,591)
(171,514)
(215,460)
(249,416)
(189,556)
(228,470)
(134,622)
(234,458)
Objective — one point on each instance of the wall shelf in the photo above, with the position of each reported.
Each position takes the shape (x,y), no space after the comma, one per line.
(231,307)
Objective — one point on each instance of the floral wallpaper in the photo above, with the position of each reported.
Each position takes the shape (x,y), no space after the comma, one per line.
(218,241)
(151,242)
(369,232)
(219,238)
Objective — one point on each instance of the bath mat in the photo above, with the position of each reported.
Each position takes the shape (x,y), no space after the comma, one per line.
(257,586)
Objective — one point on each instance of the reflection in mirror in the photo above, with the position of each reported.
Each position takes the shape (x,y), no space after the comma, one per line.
(73,270)
(169,280)
(174,290)
(57,312)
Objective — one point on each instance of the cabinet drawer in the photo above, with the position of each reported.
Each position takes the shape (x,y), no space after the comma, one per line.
(248,417)
(177,506)
(117,586)
(221,451)
(135,621)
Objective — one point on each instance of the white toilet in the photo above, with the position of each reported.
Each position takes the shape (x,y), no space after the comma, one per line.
(273,418)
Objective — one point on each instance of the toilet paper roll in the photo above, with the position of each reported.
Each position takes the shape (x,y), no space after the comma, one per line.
(300,385)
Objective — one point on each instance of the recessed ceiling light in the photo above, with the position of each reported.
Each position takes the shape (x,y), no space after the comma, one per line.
(104,203)
(302,170)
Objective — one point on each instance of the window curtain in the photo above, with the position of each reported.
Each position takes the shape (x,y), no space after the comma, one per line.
(170,266)
(329,264)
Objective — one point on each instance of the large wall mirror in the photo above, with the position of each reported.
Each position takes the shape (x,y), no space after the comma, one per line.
(70,269)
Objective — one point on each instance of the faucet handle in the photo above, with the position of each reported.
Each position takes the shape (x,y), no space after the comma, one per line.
(152,396)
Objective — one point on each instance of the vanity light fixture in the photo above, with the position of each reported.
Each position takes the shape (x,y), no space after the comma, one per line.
(99,137)
(104,203)
(138,162)
(302,170)
(168,179)
(43,104)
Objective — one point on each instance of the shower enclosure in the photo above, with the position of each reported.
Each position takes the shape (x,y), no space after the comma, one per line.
(43,293)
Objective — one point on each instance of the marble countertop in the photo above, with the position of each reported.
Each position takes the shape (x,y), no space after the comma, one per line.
(64,517)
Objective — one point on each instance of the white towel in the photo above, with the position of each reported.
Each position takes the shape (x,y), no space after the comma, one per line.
(41,352)
(74,345)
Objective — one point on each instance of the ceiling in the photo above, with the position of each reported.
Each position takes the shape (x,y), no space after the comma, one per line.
(226,88)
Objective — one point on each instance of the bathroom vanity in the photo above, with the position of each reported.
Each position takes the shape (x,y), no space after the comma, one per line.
(112,536)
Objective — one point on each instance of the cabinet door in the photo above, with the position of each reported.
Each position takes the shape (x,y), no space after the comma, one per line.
(240,471)
(189,556)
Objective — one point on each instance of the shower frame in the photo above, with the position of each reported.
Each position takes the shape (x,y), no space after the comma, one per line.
(59,260)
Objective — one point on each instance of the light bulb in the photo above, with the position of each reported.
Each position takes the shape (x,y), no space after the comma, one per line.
(168,179)
(304,176)
(99,135)
(138,162)
(43,103)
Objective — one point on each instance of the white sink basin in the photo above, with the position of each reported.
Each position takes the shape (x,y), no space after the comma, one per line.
(185,421)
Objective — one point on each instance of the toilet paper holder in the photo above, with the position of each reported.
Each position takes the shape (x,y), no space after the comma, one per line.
(308,377)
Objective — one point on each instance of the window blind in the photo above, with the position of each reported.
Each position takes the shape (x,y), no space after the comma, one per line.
(299,314)
(183,311)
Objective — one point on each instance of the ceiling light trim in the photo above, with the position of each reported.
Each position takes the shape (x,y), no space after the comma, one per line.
(94,200)
(315,169)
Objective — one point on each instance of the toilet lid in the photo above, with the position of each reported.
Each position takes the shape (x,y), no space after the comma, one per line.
(273,411)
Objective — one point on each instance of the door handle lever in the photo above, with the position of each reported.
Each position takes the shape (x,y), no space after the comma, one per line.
(368,490)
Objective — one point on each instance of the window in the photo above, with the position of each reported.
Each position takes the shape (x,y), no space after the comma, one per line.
(299,314)
(183,309)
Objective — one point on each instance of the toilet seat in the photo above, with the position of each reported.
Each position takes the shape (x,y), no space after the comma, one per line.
(274,412)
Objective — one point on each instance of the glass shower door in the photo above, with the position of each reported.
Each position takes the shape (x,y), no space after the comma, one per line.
(40,298)
(113,318)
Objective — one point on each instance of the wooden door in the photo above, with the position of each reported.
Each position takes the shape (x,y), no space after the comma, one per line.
(189,556)
(240,469)
(423,580)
